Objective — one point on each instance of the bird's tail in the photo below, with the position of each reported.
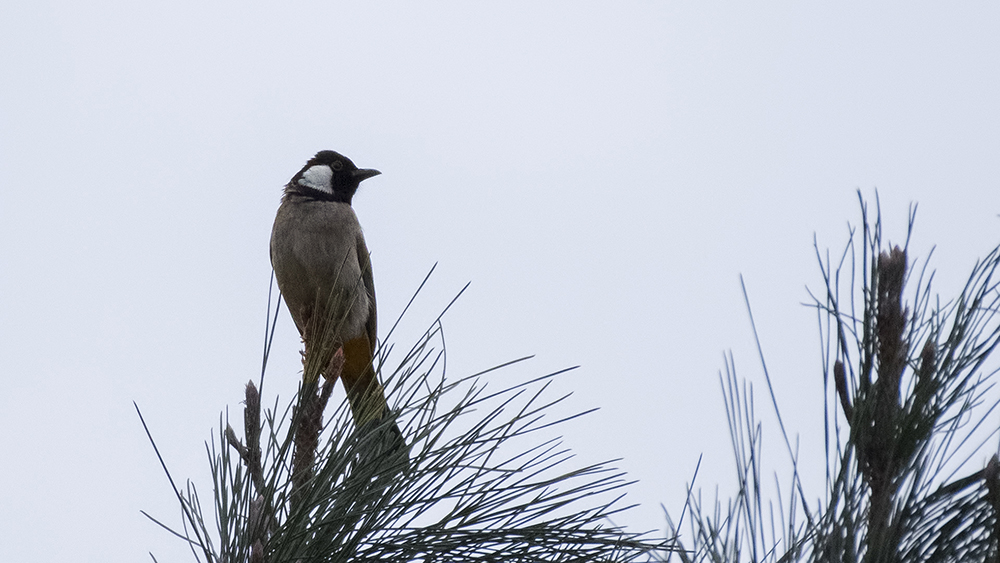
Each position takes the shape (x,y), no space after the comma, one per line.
(367,398)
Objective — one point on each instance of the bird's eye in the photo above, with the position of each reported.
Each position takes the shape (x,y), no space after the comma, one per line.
(337,165)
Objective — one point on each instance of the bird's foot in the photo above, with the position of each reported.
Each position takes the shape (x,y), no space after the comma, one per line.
(336,365)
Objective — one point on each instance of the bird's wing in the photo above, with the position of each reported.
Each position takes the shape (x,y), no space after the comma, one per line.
(364,259)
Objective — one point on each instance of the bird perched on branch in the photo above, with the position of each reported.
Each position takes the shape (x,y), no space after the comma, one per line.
(324,273)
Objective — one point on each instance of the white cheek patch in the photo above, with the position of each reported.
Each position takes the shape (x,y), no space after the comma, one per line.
(318,178)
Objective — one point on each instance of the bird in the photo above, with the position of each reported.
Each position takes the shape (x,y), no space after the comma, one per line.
(323,269)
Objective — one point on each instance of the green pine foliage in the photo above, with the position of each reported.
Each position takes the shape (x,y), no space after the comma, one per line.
(909,409)
(484,479)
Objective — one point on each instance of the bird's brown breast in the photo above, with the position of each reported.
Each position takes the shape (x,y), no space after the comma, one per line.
(314,252)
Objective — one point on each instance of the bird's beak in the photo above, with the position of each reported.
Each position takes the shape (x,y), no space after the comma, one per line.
(364,174)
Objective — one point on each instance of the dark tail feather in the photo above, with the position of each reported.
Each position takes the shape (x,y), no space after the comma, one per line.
(383,447)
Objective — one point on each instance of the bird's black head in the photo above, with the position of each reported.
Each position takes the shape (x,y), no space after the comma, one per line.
(329,176)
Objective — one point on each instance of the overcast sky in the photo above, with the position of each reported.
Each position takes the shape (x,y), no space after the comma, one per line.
(602,174)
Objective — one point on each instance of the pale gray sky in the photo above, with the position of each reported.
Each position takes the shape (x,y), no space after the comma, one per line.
(601,173)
